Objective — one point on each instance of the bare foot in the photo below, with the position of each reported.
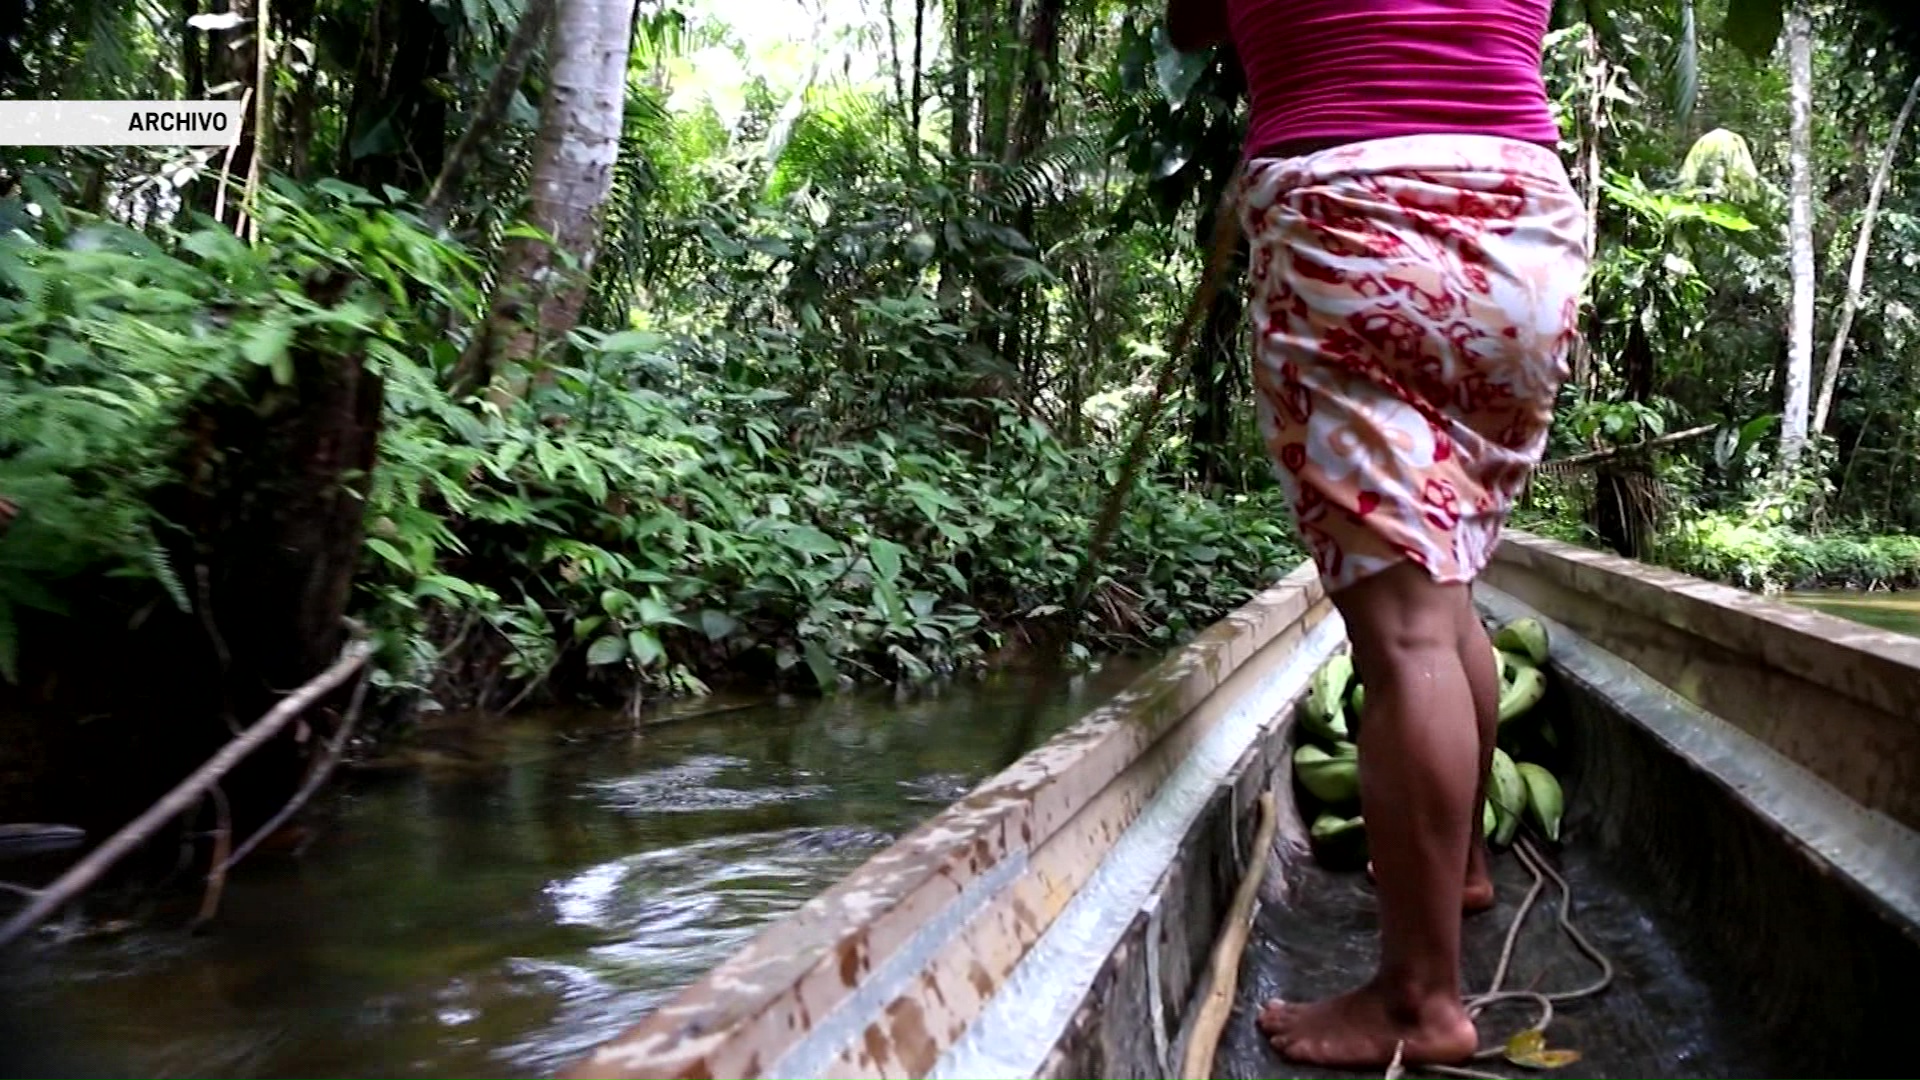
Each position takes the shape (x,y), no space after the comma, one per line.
(1360,1030)
(1475,897)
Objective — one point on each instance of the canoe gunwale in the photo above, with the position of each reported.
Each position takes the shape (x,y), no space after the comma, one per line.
(1837,697)
(1876,856)
(753,1012)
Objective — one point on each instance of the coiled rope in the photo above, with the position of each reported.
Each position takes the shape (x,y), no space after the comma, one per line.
(1536,863)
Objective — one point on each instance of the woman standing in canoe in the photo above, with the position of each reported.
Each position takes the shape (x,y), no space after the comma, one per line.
(1417,259)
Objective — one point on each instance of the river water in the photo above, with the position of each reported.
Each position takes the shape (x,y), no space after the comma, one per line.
(525,891)
(1898,611)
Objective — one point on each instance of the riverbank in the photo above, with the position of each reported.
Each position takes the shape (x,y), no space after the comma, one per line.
(1774,558)
(1768,559)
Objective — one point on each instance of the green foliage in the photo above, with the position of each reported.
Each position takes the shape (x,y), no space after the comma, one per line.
(698,517)
(110,339)
(1757,551)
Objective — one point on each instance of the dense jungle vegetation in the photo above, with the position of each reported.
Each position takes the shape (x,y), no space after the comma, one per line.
(603,350)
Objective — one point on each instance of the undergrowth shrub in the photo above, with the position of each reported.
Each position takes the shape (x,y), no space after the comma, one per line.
(1753,553)
(689,499)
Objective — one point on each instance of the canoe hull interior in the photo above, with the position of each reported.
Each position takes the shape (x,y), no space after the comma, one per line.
(1739,948)
(1059,921)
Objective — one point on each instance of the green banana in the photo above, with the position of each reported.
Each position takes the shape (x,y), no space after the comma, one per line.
(1502,666)
(1331,778)
(1322,711)
(1489,820)
(1508,792)
(1328,729)
(1545,801)
(1329,687)
(1359,697)
(1524,636)
(1339,843)
(1331,827)
(1529,685)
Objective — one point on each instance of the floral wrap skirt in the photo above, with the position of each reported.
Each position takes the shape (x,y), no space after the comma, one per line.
(1413,303)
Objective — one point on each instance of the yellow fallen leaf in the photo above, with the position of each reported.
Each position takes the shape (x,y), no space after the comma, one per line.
(1545,1059)
(1528,1050)
(1530,1041)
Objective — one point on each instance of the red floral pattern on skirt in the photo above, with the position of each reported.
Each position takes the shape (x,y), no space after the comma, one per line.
(1414,300)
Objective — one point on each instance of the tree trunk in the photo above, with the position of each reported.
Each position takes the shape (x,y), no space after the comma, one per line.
(997,101)
(1042,56)
(398,131)
(193,63)
(507,78)
(579,141)
(296,123)
(918,98)
(1601,73)
(1857,274)
(1799,373)
(959,80)
(229,73)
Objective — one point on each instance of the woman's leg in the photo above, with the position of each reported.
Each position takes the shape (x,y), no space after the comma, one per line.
(1476,659)
(1483,678)
(1420,757)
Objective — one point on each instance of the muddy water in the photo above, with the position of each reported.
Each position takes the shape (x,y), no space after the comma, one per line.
(1897,611)
(522,892)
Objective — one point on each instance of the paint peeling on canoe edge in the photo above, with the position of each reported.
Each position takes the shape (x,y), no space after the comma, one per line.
(745,1013)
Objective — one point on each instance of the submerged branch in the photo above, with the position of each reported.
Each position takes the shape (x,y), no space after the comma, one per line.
(184,794)
(317,777)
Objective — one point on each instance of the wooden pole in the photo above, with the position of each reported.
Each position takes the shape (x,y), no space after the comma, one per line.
(1224,981)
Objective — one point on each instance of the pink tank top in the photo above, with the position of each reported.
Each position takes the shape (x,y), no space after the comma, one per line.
(1347,70)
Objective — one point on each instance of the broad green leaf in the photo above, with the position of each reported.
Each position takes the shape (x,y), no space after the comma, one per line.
(717,625)
(655,613)
(886,558)
(809,540)
(824,672)
(647,650)
(607,650)
(266,344)
(388,552)
(631,341)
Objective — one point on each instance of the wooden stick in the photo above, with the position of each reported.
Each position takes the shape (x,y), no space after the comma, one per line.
(222,842)
(1595,457)
(185,794)
(220,193)
(1227,949)
(316,777)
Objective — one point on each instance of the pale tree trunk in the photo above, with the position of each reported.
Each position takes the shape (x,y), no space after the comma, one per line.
(1857,274)
(1599,75)
(1799,373)
(579,140)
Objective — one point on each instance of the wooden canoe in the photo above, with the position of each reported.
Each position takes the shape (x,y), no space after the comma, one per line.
(1748,772)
